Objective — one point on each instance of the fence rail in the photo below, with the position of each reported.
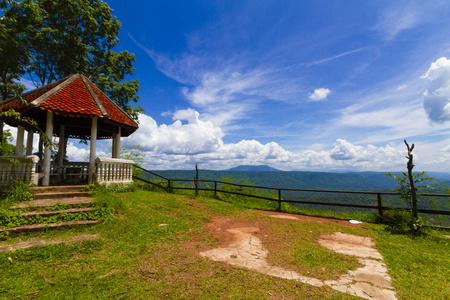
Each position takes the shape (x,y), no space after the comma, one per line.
(278,196)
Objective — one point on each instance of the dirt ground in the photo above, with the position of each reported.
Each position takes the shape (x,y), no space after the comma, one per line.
(241,246)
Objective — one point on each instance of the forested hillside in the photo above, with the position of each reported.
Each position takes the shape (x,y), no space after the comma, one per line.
(300,180)
(357,181)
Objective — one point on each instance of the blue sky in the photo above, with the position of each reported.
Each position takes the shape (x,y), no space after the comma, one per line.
(297,85)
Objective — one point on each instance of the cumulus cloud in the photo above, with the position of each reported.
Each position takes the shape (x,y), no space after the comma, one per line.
(195,137)
(319,94)
(437,96)
(77,152)
(180,146)
(189,115)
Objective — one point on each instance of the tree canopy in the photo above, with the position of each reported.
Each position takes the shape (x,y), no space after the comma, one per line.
(49,40)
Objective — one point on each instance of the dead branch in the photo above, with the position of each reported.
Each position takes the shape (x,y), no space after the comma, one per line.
(32,294)
(48,281)
(116,294)
(410,166)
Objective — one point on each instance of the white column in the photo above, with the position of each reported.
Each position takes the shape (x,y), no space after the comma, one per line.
(116,144)
(113,150)
(48,151)
(19,141)
(61,150)
(93,149)
(30,142)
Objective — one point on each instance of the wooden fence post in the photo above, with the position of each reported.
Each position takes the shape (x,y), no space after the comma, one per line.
(380,207)
(196,181)
(215,188)
(279,199)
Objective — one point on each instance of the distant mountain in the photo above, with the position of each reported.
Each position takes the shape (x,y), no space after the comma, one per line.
(439,175)
(249,168)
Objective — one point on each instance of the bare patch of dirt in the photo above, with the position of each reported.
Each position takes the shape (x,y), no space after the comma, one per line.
(242,247)
(311,219)
(42,242)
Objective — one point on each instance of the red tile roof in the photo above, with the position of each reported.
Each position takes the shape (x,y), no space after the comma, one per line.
(73,96)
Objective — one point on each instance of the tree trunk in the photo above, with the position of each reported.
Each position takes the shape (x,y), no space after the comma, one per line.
(410,166)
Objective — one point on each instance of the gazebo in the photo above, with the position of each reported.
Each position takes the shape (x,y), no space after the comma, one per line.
(72,107)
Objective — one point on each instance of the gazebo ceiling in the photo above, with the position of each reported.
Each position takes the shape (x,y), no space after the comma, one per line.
(74,100)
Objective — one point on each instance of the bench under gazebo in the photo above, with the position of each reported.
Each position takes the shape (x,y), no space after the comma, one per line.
(72,107)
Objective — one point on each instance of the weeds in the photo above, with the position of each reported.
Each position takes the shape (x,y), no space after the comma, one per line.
(17,192)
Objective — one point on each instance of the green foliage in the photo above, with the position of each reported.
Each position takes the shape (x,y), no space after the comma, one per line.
(404,188)
(13,58)
(158,186)
(18,192)
(7,148)
(398,219)
(59,38)
(10,218)
(134,154)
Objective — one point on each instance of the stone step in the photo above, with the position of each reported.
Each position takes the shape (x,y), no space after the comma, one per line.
(56,212)
(34,242)
(53,195)
(58,188)
(40,227)
(51,202)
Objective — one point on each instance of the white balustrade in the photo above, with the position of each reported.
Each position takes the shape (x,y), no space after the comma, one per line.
(114,170)
(15,168)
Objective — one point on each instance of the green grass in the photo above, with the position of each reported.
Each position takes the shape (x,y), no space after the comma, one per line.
(418,264)
(140,258)
(148,261)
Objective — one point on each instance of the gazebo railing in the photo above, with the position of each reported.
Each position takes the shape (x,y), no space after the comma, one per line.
(71,172)
(15,168)
(114,170)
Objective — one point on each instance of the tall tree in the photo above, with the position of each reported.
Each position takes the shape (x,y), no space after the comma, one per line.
(13,59)
(67,36)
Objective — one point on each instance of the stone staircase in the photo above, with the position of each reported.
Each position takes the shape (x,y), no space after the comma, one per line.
(50,196)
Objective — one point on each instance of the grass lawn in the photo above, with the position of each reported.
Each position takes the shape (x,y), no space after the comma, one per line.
(149,250)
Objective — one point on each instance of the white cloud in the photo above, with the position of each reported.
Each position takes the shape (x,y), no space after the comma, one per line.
(401,87)
(319,94)
(212,80)
(394,20)
(181,146)
(75,153)
(195,137)
(437,96)
(325,60)
(189,115)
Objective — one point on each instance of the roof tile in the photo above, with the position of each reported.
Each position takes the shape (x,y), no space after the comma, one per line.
(74,100)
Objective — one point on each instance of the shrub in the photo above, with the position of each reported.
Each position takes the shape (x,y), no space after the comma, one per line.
(17,192)
(398,219)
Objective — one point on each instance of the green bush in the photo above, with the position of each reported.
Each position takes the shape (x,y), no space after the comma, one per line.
(398,219)
(17,192)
